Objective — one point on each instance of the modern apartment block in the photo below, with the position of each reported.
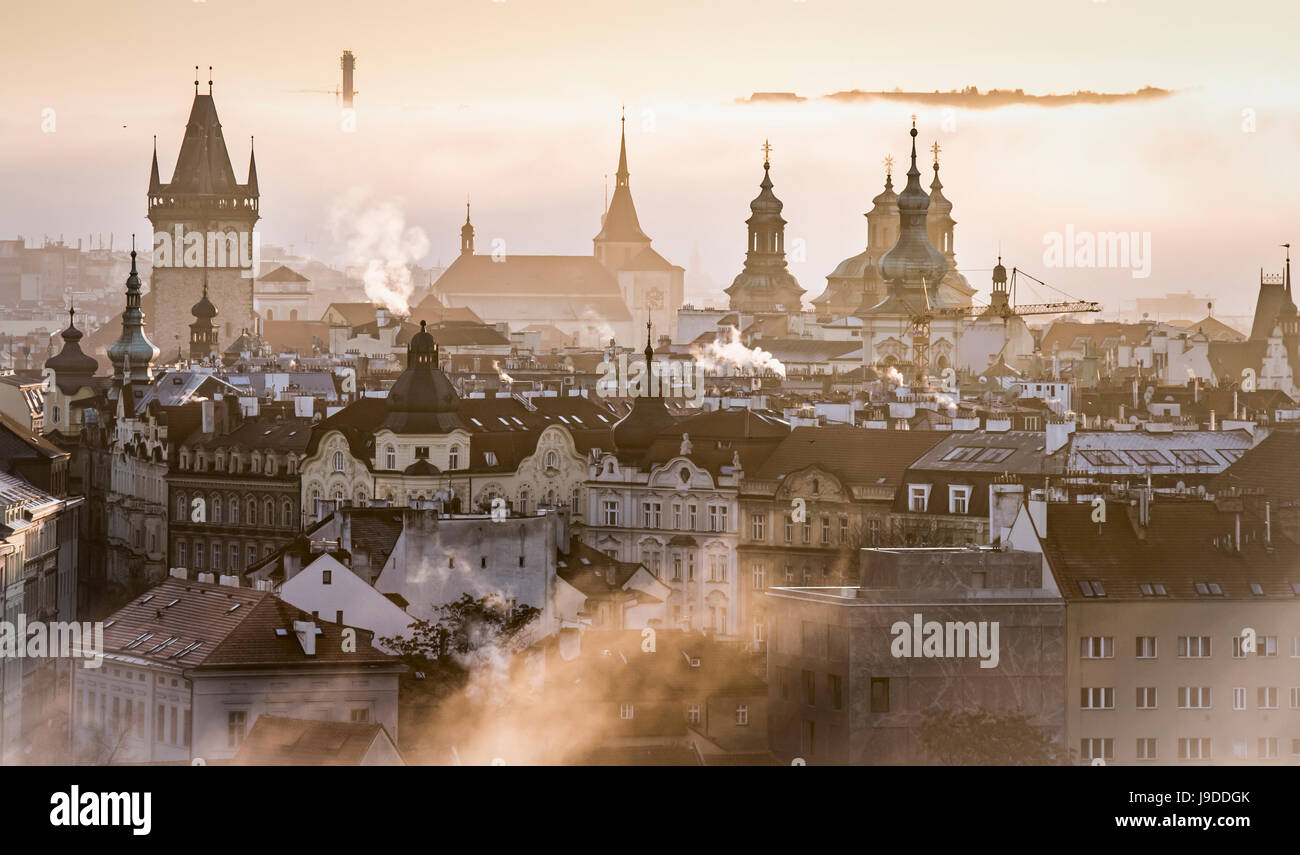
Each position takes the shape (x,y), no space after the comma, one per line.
(851,670)
(1183,632)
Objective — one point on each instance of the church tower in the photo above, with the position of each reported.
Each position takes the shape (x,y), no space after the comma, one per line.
(133,354)
(203,230)
(467,234)
(621,239)
(765,285)
(855,282)
(203,332)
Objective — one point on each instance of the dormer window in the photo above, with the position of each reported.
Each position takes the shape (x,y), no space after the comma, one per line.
(918,497)
(959,499)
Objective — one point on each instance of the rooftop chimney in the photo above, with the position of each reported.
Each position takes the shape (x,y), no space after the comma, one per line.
(305,630)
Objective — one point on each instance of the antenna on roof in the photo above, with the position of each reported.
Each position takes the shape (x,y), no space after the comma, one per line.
(196,80)
(209,80)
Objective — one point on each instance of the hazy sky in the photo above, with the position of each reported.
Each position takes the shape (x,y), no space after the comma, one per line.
(517,104)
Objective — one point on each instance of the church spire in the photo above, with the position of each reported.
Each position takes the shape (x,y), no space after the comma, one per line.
(467,232)
(132,354)
(155,183)
(913,262)
(620,178)
(252,169)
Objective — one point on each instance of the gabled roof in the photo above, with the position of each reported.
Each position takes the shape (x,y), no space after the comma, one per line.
(354,314)
(283,274)
(570,286)
(282,741)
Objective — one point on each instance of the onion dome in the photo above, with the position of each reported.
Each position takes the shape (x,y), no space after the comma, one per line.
(422,401)
(913,259)
(203,309)
(71,364)
(887,198)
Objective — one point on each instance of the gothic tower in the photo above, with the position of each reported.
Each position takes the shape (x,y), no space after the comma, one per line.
(765,285)
(620,239)
(203,231)
(467,234)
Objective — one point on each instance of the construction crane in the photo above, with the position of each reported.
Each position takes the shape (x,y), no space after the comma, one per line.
(1001,305)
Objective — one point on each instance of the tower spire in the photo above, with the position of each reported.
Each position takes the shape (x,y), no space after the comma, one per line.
(620,179)
(467,232)
(155,182)
(196,80)
(252,168)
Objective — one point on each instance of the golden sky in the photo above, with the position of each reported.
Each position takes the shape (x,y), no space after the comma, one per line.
(517,104)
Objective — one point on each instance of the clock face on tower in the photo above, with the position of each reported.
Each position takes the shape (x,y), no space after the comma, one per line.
(654,299)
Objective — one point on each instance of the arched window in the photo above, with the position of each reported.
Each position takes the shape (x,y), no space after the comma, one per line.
(453,457)
(270,315)
(315,503)
(293,314)
(234,511)
(270,464)
(338,461)
(252,512)
(182,508)
(286,514)
(268,513)
(361,498)
(552,460)
(257,462)
(523,501)
(390,457)
(216,509)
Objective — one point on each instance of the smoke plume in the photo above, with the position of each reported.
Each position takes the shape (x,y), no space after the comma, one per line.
(378,241)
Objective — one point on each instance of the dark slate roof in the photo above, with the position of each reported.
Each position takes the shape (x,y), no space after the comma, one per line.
(203,165)
(282,741)
(855,455)
(17,441)
(1272,467)
(593,572)
(291,435)
(1184,544)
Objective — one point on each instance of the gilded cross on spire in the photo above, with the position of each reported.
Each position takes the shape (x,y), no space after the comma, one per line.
(767,153)
(889,164)
(914,120)
(936,149)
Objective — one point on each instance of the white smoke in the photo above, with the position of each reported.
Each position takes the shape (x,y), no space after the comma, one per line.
(604,331)
(378,240)
(948,402)
(501,374)
(715,355)
(891,374)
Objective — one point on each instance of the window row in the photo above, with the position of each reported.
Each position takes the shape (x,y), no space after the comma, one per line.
(1189,698)
(1189,646)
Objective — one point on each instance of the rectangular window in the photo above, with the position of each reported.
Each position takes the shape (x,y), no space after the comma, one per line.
(1097,698)
(1193,697)
(359,714)
(1267,748)
(626,711)
(789,529)
(844,530)
(1146,647)
(1194,646)
(1097,749)
(880,694)
(835,684)
(759,571)
(1266,698)
(808,739)
(1295,698)
(1146,697)
(1146,748)
(1239,698)
(236,726)
(1266,645)
(758,526)
(917,497)
(610,510)
(742,714)
(1096,647)
(826,531)
(693,714)
(959,500)
(160,722)
(809,688)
